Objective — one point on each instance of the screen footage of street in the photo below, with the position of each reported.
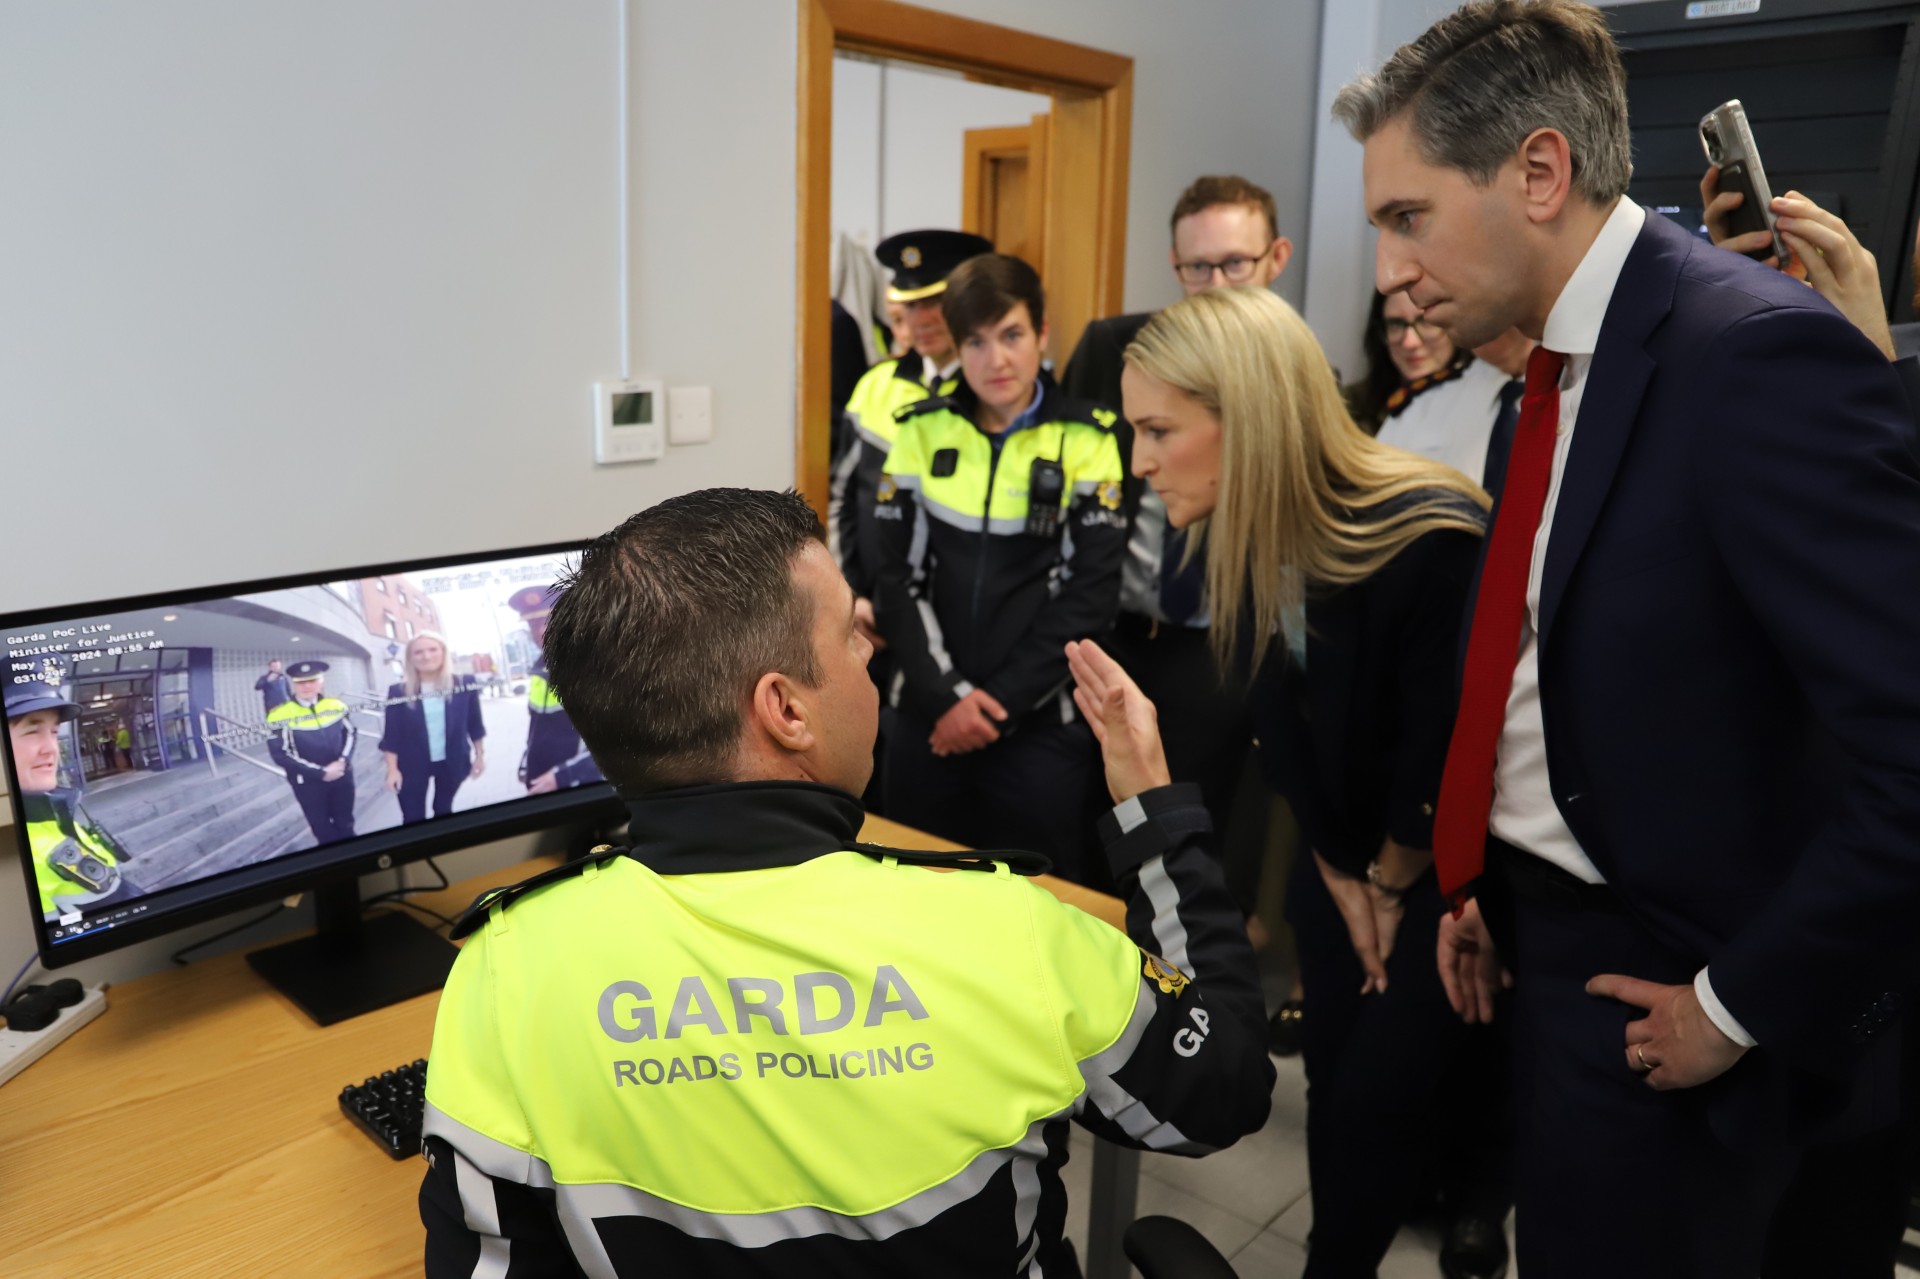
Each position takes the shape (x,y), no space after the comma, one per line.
(166,747)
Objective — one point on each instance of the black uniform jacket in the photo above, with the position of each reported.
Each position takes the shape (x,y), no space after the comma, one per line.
(965,603)
(1357,741)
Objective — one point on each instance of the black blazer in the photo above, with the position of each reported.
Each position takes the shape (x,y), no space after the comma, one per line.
(405,734)
(1356,742)
(1728,615)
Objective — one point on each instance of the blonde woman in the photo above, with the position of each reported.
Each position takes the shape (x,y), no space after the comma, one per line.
(434,733)
(1338,568)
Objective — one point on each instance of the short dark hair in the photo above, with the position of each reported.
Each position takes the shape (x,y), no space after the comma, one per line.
(1487,75)
(983,289)
(1229,188)
(666,624)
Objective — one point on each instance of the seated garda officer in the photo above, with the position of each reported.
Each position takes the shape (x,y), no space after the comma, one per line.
(555,757)
(313,739)
(920,262)
(76,863)
(1000,537)
(754,1046)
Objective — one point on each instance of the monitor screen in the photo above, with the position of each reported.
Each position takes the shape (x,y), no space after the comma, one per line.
(173,757)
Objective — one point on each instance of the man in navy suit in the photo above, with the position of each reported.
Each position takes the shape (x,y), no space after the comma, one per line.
(1688,746)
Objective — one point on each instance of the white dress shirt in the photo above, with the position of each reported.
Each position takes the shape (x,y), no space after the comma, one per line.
(1524,813)
(1451,421)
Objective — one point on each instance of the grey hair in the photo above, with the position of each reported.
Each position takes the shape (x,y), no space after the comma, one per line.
(1484,77)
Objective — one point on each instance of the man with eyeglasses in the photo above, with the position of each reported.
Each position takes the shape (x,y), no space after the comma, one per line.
(1224,234)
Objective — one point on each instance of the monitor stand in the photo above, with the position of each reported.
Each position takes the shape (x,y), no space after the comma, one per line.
(353,965)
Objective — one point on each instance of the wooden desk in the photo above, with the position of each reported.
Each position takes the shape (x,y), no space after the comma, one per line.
(194,1129)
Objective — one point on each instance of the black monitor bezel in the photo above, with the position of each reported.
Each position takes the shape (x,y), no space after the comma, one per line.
(365,854)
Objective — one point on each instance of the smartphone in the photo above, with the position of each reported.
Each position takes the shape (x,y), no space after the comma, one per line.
(1728,142)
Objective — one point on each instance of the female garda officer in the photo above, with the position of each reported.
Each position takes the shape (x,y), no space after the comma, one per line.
(1339,566)
(1000,537)
(75,862)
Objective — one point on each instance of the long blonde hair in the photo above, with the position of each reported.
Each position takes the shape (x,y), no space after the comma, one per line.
(442,683)
(1306,497)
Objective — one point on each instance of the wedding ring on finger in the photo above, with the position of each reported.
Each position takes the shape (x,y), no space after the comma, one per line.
(1646,1067)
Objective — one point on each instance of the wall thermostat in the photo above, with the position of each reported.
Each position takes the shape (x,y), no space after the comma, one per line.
(628,421)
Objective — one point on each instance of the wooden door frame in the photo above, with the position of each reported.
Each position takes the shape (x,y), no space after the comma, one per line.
(1087,177)
(982,147)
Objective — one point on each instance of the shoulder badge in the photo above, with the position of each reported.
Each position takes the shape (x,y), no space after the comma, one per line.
(505,895)
(1108,494)
(887,488)
(1169,979)
(1411,391)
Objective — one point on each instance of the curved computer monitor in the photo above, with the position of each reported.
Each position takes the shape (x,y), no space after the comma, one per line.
(175,757)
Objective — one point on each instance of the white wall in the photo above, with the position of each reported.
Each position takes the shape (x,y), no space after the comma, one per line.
(304,286)
(1220,86)
(899,142)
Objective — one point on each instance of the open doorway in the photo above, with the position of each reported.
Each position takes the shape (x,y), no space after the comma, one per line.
(1061,190)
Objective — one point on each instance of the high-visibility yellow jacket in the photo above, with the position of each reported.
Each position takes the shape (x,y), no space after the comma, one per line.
(884,390)
(753,1047)
(75,863)
(968,593)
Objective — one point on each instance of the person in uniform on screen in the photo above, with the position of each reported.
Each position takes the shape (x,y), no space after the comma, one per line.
(434,732)
(313,739)
(556,758)
(76,863)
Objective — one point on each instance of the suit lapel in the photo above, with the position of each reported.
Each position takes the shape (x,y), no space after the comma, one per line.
(1609,406)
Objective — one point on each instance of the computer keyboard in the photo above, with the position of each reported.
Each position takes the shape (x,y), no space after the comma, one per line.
(389,1106)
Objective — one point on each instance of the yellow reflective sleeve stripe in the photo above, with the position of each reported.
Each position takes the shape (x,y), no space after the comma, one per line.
(1089,971)
(325,714)
(540,695)
(476,1088)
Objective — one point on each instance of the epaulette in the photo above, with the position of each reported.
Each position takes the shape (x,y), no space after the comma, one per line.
(932,404)
(1018,860)
(1407,394)
(506,894)
(1085,412)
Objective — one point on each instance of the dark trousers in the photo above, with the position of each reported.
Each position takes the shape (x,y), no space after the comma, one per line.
(446,776)
(1207,731)
(1024,791)
(328,807)
(1375,1068)
(1612,1178)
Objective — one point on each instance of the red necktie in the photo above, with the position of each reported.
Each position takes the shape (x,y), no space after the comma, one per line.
(1493,644)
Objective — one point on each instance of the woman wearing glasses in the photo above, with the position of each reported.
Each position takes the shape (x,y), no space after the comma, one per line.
(1406,357)
(1338,568)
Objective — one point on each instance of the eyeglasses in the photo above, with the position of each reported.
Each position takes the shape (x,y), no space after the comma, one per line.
(1397,330)
(1236,269)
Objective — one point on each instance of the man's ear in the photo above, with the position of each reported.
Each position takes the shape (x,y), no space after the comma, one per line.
(1546,167)
(780,712)
(1282,251)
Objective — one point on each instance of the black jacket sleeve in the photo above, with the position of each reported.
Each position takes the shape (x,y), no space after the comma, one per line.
(902,607)
(1190,1074)
(394,727)
(471,1216)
